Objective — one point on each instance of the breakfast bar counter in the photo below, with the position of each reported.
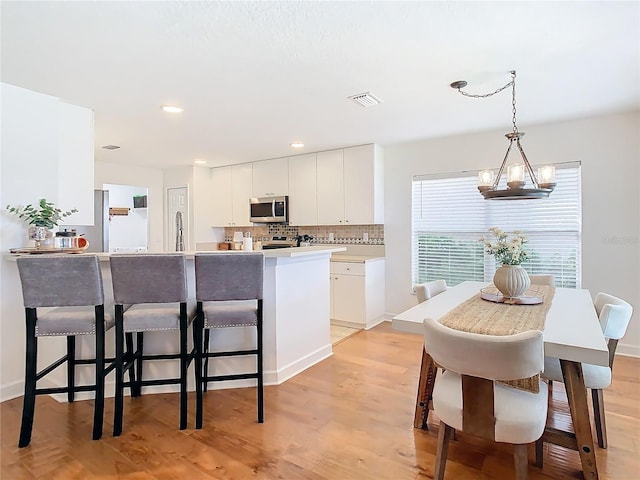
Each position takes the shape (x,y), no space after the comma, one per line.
(296,302)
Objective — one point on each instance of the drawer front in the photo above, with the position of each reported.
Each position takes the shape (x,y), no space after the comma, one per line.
(347,268)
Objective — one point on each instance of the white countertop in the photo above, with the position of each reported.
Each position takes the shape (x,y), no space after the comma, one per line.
(275,253)
(355,258)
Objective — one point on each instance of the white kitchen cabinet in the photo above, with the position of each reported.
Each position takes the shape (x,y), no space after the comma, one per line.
(231,190)
(363,185)
(330,184)
(271,177)
(357,293)
(350,186)
(303,200)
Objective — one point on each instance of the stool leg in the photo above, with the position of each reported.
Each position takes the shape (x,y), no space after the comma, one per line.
(136,390)
(98,409)
(119,401)
(183,365)
(71,367)
(129,354)
(259,359)
(29,401)
(598,416)
(197,341)
(206,358)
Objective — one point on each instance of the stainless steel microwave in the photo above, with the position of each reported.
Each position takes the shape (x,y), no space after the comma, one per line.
(269,209)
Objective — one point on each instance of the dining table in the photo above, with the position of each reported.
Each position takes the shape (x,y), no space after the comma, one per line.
(571,333)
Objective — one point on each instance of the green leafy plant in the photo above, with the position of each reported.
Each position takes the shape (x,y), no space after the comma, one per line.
(508,251)
(44,214)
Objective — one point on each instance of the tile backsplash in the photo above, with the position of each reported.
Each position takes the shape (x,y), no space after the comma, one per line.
(341,234)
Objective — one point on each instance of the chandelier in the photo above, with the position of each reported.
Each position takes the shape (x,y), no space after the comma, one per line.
(543,185)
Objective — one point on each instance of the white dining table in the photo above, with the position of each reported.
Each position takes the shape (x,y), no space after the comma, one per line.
(571,333)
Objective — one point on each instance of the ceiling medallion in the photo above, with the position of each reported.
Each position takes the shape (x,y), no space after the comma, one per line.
(543,185)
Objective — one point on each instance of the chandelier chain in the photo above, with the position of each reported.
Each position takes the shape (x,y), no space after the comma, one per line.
(511,84)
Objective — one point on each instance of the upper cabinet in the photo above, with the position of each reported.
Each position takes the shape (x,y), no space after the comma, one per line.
(350,186)
(302,187)
(330,188)
(363,185)
(271,177)
(231,190)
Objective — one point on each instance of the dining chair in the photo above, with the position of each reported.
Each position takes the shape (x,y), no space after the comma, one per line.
(543,279)
(425,291)
(614,315)
(72,284)
(228,295)
(468,397)
(150,293)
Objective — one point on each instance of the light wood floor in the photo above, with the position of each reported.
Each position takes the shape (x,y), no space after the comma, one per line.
(349,417)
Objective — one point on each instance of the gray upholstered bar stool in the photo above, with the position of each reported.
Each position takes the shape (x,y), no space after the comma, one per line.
(154,288)
(228,295)
(73,284)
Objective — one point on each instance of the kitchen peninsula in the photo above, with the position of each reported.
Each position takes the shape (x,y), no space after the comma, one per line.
(296,312)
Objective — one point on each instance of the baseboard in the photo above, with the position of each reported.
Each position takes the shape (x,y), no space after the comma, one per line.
(294,368)
(11,391)
(628,350)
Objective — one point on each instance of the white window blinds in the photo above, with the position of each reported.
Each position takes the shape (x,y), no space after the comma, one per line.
(449,216)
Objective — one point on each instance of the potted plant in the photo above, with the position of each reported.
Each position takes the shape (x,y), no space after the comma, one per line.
(510,278)
(43,217)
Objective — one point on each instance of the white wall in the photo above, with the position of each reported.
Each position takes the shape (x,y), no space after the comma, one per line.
(609,149)
(34,136)
(127,232)
(152,179)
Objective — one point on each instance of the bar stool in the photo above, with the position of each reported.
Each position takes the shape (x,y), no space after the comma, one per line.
(154,288)
(73,283)
(228,295)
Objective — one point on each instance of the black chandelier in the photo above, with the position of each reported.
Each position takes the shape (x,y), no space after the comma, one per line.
(515,189)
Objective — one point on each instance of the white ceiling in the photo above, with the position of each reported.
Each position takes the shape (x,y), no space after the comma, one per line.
(255,76)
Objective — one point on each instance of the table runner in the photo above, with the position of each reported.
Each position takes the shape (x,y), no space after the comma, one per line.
(476,315)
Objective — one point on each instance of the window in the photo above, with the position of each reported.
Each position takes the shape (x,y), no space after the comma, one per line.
(449,216)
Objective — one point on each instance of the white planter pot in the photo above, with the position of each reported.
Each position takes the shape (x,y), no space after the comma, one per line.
(511,280)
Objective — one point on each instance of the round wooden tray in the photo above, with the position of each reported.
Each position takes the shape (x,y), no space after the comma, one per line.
(492,294)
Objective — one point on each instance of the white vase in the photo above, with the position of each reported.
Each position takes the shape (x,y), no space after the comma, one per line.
(511,280)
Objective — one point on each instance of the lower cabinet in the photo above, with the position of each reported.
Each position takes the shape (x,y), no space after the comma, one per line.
(357,293)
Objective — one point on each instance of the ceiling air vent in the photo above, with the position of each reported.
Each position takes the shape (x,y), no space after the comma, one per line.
(366,99)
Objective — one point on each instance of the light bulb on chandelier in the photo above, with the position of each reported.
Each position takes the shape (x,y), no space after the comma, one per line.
(488,181)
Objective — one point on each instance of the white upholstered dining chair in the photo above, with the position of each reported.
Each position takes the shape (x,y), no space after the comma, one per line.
(543,279)
(614,315)
(425,291)
(466,396)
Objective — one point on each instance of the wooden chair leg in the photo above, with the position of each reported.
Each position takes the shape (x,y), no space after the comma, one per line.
(521,461)
(444,436)
(205,350)
(598,415)
(137,390)
(71,368)
(259,361)
(197,340)
(29,401)
(184,363)
(98,408)
(539,452)
(119,372)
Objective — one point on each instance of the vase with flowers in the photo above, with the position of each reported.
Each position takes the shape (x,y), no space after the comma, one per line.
(41,217)
(509,250)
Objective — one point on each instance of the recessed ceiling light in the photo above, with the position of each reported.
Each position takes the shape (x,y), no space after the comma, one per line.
(111,147)
(172,109)
(199,161)
(297,145)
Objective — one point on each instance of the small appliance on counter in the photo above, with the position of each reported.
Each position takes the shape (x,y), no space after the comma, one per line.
(303,240)
(278,242)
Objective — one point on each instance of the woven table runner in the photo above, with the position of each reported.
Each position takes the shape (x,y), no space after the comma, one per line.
(476,315)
